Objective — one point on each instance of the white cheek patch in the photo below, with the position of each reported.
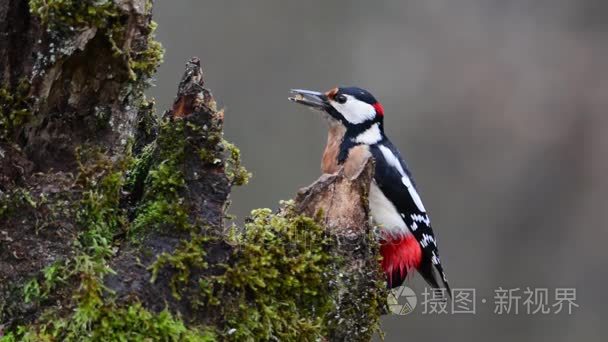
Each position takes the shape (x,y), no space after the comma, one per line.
(392,160)
(355,111)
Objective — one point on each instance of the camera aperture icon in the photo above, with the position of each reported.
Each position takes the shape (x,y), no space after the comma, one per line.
(402,300)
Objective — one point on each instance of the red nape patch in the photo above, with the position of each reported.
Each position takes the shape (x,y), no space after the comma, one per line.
(400,255)
(379,109)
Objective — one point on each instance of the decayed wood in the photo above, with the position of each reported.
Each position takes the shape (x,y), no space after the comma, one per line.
(340,202)
(80,90)
(204,194)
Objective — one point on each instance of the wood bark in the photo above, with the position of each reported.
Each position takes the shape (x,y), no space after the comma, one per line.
(81,92)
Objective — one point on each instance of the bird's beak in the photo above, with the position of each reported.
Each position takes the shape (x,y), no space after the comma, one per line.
(313,99)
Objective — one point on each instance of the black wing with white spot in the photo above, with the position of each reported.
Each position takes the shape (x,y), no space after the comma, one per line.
(396,183)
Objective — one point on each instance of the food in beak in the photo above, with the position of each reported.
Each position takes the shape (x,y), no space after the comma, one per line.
(309,98)
(297,97)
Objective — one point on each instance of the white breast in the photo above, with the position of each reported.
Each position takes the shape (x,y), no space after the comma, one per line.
(385,214)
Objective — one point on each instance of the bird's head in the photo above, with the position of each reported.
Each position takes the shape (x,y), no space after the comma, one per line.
(351,106)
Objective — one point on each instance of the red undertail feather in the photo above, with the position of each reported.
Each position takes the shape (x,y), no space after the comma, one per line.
(400,256)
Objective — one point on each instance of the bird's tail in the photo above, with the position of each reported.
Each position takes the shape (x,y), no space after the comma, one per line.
(431,271)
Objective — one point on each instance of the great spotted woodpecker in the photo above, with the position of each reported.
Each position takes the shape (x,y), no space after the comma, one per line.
(356,132)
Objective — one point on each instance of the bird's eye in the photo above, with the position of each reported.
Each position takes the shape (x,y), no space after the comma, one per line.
(340,98)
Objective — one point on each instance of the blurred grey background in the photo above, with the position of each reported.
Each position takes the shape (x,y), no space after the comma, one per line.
(499,107)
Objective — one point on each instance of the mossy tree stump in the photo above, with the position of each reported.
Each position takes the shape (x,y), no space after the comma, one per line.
(112,220)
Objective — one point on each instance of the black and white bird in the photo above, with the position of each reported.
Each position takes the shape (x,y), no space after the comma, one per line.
(356,132)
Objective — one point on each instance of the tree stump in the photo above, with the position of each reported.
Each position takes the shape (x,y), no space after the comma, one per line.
(112,219)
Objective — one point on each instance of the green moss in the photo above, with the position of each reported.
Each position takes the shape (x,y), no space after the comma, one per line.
(159,213)
(144,64)
(42,286)
(236,172)
(113,323)
(146,129)
(76,13)
(286,283)
(162,204)
(95,316)
(362,298)
(99,211)
(66,16)
(139,168)
(189,256)
(100,217)
(14,108)
(279,286)
(281,283)
(53,274)
(171,141)
(15,199)
(31,291)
